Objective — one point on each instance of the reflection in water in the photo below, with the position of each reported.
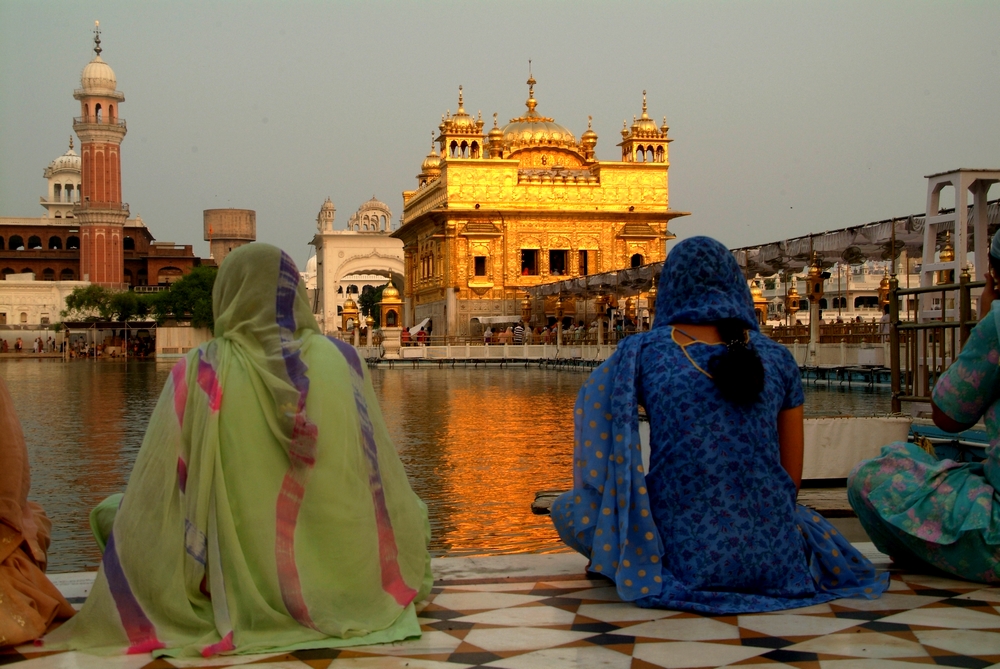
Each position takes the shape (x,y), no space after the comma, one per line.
(476,442)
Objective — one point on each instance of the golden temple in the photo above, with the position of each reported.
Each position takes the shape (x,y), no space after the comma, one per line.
(526,204)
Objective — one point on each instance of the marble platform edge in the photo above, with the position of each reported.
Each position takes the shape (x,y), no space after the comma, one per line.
(517,567)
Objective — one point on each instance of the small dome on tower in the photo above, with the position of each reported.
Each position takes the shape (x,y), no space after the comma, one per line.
(68,161)
(390,292)
(327,205)
(432,163)
(373,204)
(644,124)
(311,265)
(533,129)
(589,136)
(98,77)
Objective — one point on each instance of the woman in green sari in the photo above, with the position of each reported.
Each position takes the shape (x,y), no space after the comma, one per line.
(268,509)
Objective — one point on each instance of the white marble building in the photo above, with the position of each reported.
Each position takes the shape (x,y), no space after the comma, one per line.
(347,262)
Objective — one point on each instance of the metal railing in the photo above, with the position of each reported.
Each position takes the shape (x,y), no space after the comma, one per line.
(924,343)
(105,206)
(102,121)
(829,333)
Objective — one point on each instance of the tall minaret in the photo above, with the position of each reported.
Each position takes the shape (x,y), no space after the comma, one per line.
(100,212)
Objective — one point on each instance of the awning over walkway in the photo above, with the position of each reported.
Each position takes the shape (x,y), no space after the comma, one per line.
(852,246)
(109,325)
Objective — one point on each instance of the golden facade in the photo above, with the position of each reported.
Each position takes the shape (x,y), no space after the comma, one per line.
(526,204)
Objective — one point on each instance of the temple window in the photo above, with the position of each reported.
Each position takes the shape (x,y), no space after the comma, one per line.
(72,243)
(55,243)
(474,152)
(636,260)
(659,155)
(97,112)
(34,242)
(529,262)
(480,265)
(16,243)
(128,244)
(822,303)
(584,263)
(48,274)
(67,275)
(558,262)
(640,155)
(57,193)
(454,149)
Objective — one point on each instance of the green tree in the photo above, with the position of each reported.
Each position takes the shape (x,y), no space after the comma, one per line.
(188,298)
(368,304)
(91,303)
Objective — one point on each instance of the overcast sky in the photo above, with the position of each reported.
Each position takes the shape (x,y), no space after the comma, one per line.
(788,117)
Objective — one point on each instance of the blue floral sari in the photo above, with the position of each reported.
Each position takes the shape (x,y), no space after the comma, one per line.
(713,526)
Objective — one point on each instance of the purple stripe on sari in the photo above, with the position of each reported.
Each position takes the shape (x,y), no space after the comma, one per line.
(141,632)
(301,449)
(392,579)
(208,381)
(225,645)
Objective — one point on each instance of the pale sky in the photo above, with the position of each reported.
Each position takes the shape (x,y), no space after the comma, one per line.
(788,117)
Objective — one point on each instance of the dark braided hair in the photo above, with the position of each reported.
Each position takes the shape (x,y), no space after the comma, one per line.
(738,373)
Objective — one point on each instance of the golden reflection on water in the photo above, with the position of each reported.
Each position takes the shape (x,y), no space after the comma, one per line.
(477,444)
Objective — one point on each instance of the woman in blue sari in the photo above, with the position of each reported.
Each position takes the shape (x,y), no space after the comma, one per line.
(713,527)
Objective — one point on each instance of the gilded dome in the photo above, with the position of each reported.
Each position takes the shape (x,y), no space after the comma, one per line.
(390,293)
(533,129)
(432,163)
(67,161)
(644,126)
(589,136)
(98,77)
(350,305)
(460,123)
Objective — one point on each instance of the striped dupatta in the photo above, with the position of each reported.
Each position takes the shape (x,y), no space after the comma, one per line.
(268,508)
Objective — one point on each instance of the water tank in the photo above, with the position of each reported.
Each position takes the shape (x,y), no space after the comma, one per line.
(228,229)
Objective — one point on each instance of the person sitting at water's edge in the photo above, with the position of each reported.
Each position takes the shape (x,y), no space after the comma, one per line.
(924,511)
(268,508)
(713,526)
(29,603)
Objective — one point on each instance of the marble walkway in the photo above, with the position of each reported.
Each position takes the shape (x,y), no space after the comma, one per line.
(540,611)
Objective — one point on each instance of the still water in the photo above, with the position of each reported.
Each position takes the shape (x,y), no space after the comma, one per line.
(477,444)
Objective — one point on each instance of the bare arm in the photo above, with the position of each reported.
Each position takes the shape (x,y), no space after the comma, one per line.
(791,441)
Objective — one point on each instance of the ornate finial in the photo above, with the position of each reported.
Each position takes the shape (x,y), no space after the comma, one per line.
(531,81)
(590,122)
(624,124)
(97,37)
(644,103)
(633,118)
(432,141)
(71,142)
(494,119)
(479,115)
(460,102)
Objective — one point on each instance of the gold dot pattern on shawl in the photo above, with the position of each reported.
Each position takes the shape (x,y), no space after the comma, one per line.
(834,582)
(628,582)
(577,499)
(593,505)
(833,532)
(606,370)
(586,398)
(642,572)
(600,454)
(587,443)
(607,511)
(619,459)
(649,536)
(593,472)
(601,387)
(826,535)
(836,570)
(620,480)
(626,563)
(604,435)
(638,551)
(620,437)
(834,552)
(644,513)
(815,519)
(644,590)
(579,535)
(579,412)
(639,468)
(607,416)
(612,493)
(586,519)
(597,567)
(615,564)
(607,547)
(597,405)
(593,423)
(621,503)
(642,490)
(868,591)
(599,532)
(654,559)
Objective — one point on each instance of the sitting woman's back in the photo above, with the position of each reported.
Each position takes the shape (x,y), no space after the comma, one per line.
(713,526)
(268,508)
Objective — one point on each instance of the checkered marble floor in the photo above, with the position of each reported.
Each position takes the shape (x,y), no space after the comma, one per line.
(528,611)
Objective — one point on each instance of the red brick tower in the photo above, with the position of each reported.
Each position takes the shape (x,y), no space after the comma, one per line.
(101,212)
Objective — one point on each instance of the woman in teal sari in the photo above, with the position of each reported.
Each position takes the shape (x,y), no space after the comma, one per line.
(924,511)
(268,508)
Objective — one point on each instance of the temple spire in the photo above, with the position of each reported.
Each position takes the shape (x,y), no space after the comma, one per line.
(97,38)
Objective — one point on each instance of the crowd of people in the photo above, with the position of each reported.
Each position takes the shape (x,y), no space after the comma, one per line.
(268,509)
